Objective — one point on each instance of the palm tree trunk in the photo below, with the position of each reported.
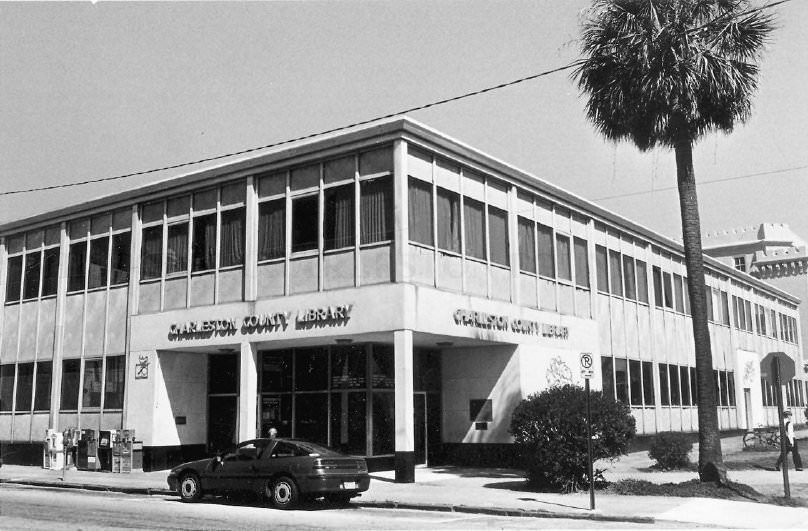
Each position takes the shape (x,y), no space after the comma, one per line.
(711,463)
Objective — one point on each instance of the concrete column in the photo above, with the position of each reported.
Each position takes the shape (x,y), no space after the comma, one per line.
(405,425)
(248,392)
(58,340)
(251,242)
(132,303)
(401,212)
(513,249)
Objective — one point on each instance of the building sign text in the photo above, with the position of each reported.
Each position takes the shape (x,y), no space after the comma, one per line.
(515,324)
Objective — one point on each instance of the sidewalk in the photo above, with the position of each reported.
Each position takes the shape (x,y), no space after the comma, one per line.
(503,492)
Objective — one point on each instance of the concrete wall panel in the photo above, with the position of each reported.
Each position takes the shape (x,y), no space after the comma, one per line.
(476,278)
(149,297)
(47,328)
(96,321)
(449,272)
(28,324)
(303,275)
(176,290)
(116,321)
(422,265)
(500,283)
(339,270)
(528,291)
(231,285)
(376,264)
(11,320)
(74,321)
(202,289)
(271,279)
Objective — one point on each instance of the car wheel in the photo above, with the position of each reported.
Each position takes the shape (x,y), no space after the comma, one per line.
(283,492)
(190,489)
(338,499)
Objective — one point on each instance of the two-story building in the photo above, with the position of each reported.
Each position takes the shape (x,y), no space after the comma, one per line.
(388,291)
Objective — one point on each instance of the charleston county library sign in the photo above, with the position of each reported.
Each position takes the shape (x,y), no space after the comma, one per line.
(258,323)
(515,324)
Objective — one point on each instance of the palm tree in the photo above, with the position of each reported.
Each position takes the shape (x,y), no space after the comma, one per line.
(664,73)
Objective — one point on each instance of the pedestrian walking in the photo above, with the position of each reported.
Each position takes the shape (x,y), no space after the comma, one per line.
(791,445)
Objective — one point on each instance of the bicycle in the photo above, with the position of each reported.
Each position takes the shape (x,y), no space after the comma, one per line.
(762,438)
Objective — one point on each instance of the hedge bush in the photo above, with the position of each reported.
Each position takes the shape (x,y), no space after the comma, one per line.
(549,429)
(670,450)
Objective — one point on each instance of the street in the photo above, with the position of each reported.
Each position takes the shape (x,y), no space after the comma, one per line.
(50,508)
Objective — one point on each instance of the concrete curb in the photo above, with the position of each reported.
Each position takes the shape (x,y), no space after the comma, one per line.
(386,504)
(497,511)
(90,486)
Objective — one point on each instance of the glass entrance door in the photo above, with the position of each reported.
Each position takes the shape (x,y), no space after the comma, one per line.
(426,423)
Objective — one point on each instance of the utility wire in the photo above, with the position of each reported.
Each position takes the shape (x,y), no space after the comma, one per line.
(304,137)
(343,127)
(735,178)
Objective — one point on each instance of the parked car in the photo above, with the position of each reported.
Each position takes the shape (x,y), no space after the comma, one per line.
(283,470)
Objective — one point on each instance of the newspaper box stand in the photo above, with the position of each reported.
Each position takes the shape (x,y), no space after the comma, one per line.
(87,451)
(106,442)
(122,452)
(53,451)
(71,442)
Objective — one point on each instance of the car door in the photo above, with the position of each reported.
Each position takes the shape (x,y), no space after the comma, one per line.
(237,470)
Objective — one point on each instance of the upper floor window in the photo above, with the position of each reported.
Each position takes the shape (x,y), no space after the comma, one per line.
(33,265)
(99,251)
(740,263)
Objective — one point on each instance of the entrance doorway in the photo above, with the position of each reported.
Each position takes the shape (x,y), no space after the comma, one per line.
(223,376)
(426,423)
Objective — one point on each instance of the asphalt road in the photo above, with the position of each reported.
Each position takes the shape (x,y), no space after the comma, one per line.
(53,508)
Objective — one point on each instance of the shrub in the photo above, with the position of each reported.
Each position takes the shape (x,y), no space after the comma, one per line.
(549,429)
(670,450)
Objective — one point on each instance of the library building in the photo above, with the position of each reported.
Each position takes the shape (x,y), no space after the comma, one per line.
(387,291)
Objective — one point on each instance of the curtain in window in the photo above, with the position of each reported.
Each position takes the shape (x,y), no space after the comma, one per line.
(474,221)
(232,241)
(114,382)
(527,245)
(498,236)
(14,279)
(420,212)
(204,244)
(121,244)
(31,283)
(99,251)
(6,386)
(338,223)
(75,269)
(91,390)
(272,229)
(70,384)
(151,252)
(177,248)
(564,261)
(546,252)
(581,253)
(42,394)
(376,210)
(448,221)
(25,387)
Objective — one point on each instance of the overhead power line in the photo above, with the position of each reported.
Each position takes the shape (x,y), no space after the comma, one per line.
(735,178)
(340,128)
(299,138)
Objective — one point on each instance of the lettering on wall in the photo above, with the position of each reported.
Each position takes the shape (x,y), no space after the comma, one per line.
(326,316)
(514,324)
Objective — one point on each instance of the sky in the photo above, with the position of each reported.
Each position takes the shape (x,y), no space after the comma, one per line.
(95,90)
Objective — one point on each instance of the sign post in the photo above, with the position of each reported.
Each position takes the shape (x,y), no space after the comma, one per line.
(780,368)
(587,372)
